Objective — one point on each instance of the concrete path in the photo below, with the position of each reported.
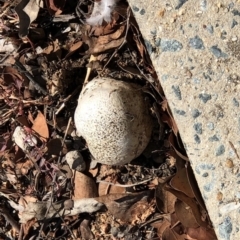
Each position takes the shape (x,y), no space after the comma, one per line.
(195,48)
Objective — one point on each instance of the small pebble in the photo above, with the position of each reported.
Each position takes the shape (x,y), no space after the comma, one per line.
(234,39)
(234,23)
(75,161)
(229,163)
(210,29)
(22,139)
(210,125)
(114,231)
(162,12)
(171,45)
(181,12)
(225,228)
(220,150)
(219,196)
(196,43)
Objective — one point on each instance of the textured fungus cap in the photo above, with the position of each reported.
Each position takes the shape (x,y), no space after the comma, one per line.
(114,119)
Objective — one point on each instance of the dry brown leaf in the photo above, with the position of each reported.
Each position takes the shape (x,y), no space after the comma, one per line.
(171,234)
(194,186)
(165,200)
(86,232)
(55,7)
(180,182)
(53,50)
(173,140)
(192,203)
(161,227)
(84,186)
(23,120)
(103,47)
(40,126)
(117,34)
(123,206)
(74,48)
(201,234)
(177,226)
(30,117)
(185,214)
(11,75)
(94,171)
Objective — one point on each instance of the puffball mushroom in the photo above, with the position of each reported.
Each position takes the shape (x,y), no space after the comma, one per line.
(113,117)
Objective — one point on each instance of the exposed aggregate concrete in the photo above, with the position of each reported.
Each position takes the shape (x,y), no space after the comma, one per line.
(195,48)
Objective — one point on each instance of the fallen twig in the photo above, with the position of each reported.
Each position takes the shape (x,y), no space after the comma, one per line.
(124,185)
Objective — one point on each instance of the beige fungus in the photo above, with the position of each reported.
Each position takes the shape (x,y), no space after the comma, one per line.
(113,117)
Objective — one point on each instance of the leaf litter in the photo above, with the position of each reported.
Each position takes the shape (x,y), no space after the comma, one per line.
(51,50)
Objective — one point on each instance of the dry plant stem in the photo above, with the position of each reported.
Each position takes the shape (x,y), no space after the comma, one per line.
(123,42)
(178,222)
(9,218)
(53,182)
(36,101)
(30,77)
(124,185)
(66,99)
(20,235)
(92,58)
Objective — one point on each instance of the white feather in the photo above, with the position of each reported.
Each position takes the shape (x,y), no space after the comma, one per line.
(102,11)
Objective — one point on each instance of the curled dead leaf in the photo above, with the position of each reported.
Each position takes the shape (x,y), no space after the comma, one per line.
(74,48)
(171,234)
(185,214)
(181,183)
(201,233)
(103,45)
(165,200)
(195,208)
(161,227)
